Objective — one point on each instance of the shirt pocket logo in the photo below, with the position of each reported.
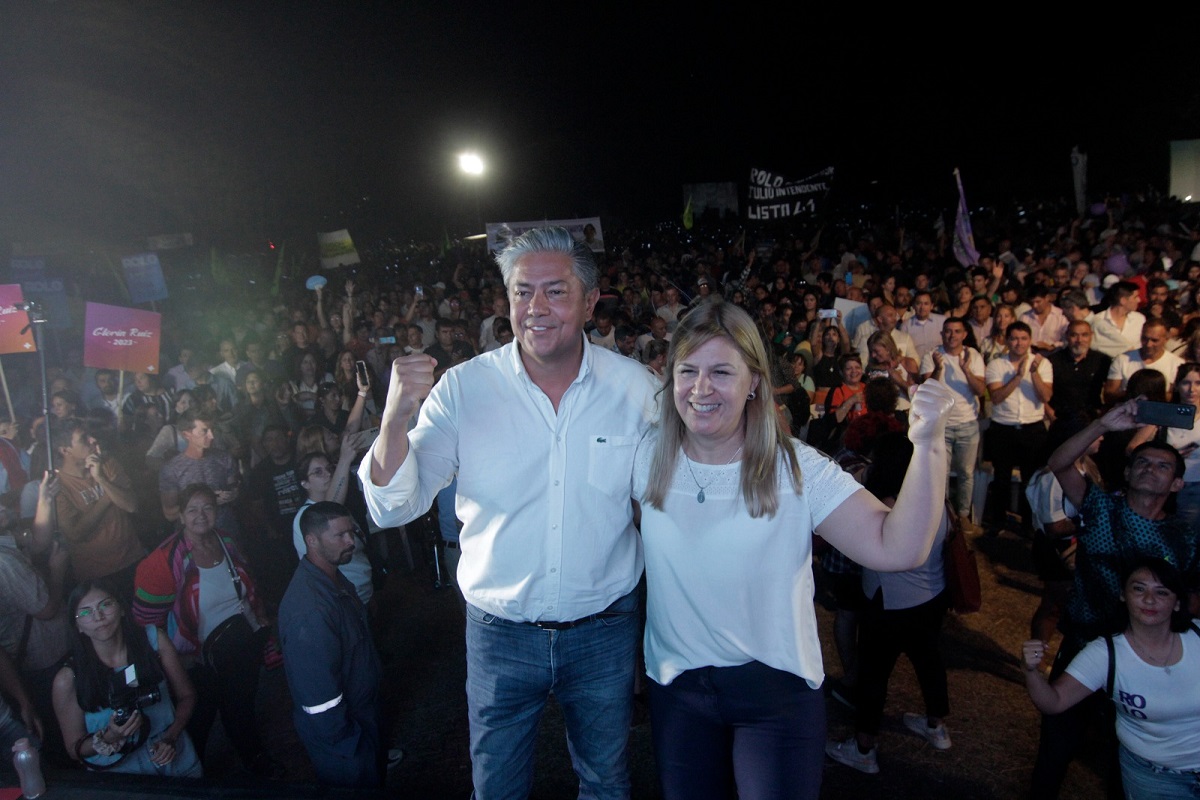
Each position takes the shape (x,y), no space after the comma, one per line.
(610,463)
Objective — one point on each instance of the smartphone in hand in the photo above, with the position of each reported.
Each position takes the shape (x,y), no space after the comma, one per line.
(1168,415)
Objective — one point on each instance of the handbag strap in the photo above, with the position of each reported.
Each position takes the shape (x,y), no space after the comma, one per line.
(233,575)
(1112,666)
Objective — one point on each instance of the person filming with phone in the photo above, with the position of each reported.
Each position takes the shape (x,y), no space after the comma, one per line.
(95,508)
(1177,427)
(1116,528)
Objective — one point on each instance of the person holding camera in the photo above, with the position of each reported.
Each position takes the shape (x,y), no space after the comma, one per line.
(113,698)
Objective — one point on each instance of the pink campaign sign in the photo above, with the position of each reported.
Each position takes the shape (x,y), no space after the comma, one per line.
(12,321)
(121,338)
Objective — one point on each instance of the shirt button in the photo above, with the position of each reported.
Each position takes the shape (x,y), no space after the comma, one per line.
(556,483)
(554,527)
(553,570)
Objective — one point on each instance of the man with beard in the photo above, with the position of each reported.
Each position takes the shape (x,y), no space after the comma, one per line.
(333,670)
(1079,373)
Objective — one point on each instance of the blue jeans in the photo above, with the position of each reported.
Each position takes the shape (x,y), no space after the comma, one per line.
(962,451)
(1144,780)
(750,731)
(512,668)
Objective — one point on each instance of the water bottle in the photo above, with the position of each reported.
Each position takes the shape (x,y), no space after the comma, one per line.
(28,763)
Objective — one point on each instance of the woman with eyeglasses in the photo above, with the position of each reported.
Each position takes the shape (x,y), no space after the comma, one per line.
(322,480)
(113,698)
(197,585)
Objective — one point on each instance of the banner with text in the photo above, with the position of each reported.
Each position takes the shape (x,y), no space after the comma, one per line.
(12,320)
(337,249)
(584,229)
(121,338)
(41,286)
(144,277)
(772,196)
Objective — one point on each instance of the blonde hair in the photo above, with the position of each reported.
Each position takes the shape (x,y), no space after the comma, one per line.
(765,439)
(311,439)
(885,339)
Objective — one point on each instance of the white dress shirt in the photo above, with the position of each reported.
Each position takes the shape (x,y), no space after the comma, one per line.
(1023,406)
(486,336)
(860,335)
(1113,341)
(1053,330)
(225,370)
(548,529)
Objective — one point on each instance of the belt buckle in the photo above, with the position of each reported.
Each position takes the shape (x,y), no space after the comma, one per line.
(551,625)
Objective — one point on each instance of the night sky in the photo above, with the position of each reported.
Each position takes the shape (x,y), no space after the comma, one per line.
(240,121)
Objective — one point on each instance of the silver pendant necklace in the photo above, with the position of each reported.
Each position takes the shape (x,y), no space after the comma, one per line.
(700,494)
(1164,664)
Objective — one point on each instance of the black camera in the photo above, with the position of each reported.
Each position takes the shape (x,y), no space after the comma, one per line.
(127,699)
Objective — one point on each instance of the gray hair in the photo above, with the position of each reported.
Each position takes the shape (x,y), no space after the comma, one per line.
(1075,297)
(550,240)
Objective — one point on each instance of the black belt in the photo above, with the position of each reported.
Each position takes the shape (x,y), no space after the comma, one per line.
(550,625)
(1024,426)
(449,545)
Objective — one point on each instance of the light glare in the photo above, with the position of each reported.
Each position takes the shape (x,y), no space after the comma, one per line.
(470,163)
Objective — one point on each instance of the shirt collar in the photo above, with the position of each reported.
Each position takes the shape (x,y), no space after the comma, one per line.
(518,366)
(341,586)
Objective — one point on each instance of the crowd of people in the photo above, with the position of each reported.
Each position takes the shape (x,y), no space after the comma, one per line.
(668,415)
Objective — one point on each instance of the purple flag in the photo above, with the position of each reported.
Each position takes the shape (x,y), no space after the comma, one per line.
(964,241)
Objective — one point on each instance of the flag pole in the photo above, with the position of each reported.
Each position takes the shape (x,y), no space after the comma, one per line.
(12,415)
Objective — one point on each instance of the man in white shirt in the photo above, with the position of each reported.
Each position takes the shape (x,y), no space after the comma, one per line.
(962,369)
(177,377)
(1153,354)
(672,309)
(541,435)
(981,319)
(1118,329)
(1047,323)
(658,332)
(602,334)
(886,318)
(487,336)
(1020,384)
(108,398)
(924,326)
(229,361)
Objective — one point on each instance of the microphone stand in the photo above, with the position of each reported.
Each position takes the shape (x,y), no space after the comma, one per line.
(37,320)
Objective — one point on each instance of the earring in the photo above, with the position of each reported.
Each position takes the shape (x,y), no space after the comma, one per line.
(751,396)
